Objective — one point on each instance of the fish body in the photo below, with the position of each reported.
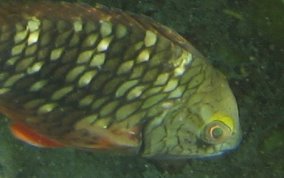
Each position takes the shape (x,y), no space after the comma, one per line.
(99,78)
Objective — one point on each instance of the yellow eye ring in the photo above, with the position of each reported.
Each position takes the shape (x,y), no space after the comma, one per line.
(216,132)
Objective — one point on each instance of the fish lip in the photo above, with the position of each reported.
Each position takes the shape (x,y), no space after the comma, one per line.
(232,144)
(187,157)
(201,155)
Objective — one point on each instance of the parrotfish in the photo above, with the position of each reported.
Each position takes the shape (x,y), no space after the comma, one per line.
(99,78)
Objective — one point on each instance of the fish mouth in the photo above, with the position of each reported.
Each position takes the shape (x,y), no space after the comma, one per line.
(213,150)
(206,150)
(202,151)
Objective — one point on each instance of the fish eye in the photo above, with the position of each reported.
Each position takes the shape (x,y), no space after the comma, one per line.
(216,132)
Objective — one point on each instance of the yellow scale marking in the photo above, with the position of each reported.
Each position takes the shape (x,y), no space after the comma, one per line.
(98,60)
(104,44)
(38,85)
(56,53)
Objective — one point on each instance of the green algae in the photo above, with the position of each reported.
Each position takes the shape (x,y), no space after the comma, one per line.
(7,163)
(274,141)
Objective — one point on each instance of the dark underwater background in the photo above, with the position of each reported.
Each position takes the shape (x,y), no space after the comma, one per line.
(242,38)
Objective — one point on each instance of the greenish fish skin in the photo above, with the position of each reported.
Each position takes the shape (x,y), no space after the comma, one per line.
(82,75)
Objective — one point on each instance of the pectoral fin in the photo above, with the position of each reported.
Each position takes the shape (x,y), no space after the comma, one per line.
(95,137)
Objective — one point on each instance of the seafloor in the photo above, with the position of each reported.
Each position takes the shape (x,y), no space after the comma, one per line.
(245,40)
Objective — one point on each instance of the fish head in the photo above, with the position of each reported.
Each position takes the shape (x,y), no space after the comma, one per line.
(219,128)
(205,124)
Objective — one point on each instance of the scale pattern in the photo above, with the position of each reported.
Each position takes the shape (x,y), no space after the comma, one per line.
(78,73)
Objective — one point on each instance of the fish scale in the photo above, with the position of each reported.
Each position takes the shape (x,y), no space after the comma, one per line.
(102,78)
(58,71)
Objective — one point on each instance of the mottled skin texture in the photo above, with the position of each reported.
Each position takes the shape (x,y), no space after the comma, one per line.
(104,79)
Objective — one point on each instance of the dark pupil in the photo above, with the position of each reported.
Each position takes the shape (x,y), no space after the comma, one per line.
(217,132)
